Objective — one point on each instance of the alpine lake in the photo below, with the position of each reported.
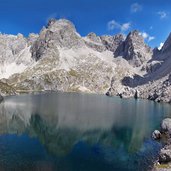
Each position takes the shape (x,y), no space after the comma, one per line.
(78,132)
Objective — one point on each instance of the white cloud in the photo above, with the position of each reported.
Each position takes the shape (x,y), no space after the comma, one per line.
(125,26)
(162,14)
(115,25)
(150,38)
(161,45)
(136,7)
(147,36)
(144,35)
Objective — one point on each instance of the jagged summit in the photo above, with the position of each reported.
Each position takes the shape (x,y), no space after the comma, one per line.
(58,34)
(55,25)
(92,36)
(134,49)
(166,47)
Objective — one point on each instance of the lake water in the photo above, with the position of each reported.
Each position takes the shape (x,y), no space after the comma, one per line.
(78,132)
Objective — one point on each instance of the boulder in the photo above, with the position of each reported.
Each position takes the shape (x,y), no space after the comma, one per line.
(166,125)
(165,155)
(156,135)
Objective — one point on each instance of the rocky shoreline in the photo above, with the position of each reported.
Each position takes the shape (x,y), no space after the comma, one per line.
(163,162)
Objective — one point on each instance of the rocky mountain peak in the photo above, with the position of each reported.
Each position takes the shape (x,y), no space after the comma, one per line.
(93,37)
(112,42)
(167,44)
(134,49)
(164,53)
(56,25)
(58,34)
(134,37)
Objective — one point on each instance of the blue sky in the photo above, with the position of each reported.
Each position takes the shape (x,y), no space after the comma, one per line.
(151,17)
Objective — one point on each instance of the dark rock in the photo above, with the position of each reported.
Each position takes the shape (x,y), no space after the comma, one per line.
(136,94)
(153,96)
(132,81)
(1,98)
(109,93)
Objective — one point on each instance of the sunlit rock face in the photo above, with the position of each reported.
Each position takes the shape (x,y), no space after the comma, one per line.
(15,54)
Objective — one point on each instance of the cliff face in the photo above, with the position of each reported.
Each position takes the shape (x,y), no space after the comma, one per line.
(134,49)
(60,59)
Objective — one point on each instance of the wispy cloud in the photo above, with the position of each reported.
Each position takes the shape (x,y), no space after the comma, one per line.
(147,36)
(160,46)
(112,25)
(162,14)
(136,7)
(150,38)
(125,26)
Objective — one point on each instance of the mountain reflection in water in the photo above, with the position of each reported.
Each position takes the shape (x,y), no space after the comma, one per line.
(77,132)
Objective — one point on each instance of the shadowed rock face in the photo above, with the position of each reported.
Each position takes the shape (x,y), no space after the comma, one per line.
(134,49)
(166,47)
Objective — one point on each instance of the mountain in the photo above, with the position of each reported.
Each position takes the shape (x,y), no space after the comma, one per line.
(58,58)
(134,49)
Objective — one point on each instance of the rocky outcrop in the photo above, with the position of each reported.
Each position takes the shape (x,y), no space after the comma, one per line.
(166,49)
(112,42)
(94,42)
(15,55)
(134,49)
(102,43)
(57,34)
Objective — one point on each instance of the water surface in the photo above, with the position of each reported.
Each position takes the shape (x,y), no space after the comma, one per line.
(78,132)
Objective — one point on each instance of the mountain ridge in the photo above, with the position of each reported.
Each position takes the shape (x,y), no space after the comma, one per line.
(58,58)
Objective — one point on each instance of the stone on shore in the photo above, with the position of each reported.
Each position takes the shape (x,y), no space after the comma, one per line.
(156,135)
(166,125)
(165,155)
